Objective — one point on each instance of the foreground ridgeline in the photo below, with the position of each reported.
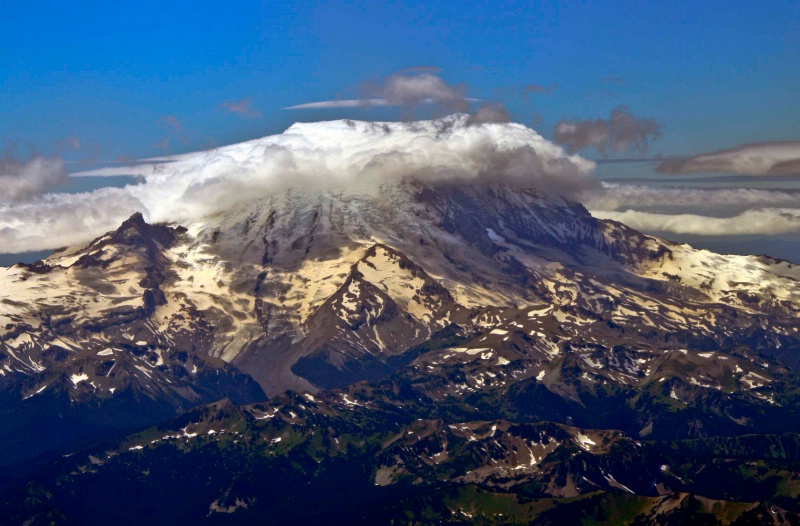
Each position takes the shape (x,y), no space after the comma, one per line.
(425,352)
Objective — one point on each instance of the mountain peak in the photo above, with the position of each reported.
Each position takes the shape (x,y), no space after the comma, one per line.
(134,220)
(135,231)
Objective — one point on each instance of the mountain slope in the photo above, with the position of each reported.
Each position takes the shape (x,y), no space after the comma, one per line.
(82,354)
(442,339)
(343,458)
(327,302)
(258,283)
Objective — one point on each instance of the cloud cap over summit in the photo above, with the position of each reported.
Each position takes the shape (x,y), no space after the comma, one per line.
(348,155)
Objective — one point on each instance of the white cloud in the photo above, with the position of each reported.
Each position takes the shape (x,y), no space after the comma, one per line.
(412,90)
(713,201)
(490,113)
(353,156)
(766,158)
(356,103)
(58,220)
(408,88)
(345,103)
(725,211)
(765,221)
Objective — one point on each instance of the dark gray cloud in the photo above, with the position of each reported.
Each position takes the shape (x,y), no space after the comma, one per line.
(765,158)
(22,180)
(622,131)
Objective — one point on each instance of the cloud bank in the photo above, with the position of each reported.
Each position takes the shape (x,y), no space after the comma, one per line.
(622,131)
(351,156)
(21,180)
(764,221)
(725,211)
(766,158)
(713,201)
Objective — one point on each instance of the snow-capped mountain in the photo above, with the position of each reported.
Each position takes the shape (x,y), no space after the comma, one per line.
(493,297)
(348,280)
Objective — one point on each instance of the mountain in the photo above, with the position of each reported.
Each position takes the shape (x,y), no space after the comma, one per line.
(444,350)
(82,356)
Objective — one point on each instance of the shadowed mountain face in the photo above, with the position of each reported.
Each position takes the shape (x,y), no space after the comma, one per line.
(462,352)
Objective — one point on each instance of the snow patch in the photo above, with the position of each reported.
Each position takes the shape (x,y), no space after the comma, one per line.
(78,378)
(584,441)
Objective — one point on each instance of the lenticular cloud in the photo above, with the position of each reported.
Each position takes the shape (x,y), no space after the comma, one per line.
(766,158)
(351,156)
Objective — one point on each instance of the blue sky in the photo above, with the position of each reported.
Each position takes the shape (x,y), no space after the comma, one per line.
(714,74)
